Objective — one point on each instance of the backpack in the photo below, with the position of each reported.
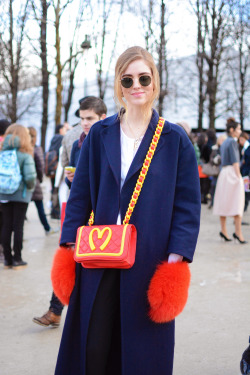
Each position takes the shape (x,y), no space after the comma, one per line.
(10,174)
(51,161)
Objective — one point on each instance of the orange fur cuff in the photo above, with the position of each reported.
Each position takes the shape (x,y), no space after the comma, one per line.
(168,291)
(63,274)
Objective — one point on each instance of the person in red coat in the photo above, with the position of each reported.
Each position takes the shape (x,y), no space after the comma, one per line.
(120,321)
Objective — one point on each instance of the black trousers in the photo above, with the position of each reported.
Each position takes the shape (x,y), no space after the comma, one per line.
(55,305)
(13,221)
(103,354)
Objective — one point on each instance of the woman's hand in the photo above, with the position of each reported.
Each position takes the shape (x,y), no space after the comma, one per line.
(174,258)
(237,169)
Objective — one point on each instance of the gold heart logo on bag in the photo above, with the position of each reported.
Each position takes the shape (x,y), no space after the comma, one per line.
(92,241)
(100,234)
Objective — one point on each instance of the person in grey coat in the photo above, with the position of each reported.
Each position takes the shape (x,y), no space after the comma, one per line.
(14,206)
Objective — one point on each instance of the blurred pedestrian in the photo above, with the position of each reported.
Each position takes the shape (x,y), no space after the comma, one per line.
(37,195)
(55,146)
(245,162)
(14,206)
(3,126)
(70,137)
(204,158)
(229,195)
(215,161)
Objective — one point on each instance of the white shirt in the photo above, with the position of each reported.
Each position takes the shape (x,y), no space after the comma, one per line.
(128,151)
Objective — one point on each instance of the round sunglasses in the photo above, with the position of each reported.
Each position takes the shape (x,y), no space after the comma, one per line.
(127,82)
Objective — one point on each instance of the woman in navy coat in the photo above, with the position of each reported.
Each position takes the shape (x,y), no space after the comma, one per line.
(108,329)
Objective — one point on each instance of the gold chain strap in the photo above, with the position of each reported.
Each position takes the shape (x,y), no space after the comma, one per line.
(142,175)
(144,170)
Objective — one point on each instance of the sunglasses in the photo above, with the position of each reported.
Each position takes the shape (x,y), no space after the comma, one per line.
(127,82)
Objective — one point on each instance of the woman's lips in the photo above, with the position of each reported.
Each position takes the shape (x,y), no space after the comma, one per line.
(136,94)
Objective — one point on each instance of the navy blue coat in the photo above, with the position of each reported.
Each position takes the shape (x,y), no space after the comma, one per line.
(245,167)
(166,216)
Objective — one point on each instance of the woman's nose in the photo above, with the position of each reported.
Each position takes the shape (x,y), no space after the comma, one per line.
(136,83)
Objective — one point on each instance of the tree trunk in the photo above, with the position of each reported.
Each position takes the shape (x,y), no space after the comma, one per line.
(201,34)
(211,91)
(45,74)
(13,72)
(59,86)
(242,77)
(201,104)
(70,94)
(162,61)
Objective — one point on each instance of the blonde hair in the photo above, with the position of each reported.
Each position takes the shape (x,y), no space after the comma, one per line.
(33,135)
(127,57)
(23,134)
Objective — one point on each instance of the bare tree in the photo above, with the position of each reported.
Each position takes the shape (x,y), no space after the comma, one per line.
(217,31)
(156,41)
(75,55)
(162,62)
(199,9)
(59,8)
(213,29)
(45,72)
(240,65)
(41,16)
(108,8)
(11,57)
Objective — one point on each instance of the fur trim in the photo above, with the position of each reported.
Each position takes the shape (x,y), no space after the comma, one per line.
(63,274)
(168,291)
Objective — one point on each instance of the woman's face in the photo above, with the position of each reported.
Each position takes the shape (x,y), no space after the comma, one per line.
(236,132)
(137,94)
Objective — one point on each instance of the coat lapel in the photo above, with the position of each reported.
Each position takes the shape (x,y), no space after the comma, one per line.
(111,140)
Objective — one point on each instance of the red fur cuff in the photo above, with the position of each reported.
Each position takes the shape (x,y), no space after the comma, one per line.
(63,274)
(168,291)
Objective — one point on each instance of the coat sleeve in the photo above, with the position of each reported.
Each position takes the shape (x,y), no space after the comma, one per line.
(64,156)
(187,204)
(72,162)
(29,172)
(78,206)
(39,162)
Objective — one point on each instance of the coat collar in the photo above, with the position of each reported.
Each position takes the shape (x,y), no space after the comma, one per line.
(111,140)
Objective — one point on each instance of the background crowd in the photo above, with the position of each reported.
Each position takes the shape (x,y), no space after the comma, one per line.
(207,147)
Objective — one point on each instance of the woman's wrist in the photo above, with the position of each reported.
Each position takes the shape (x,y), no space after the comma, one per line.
(68,244)
(174,258)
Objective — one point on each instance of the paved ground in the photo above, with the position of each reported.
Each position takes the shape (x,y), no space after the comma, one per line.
(211,333)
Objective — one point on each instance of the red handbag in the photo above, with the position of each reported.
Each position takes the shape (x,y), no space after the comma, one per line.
(114,246)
